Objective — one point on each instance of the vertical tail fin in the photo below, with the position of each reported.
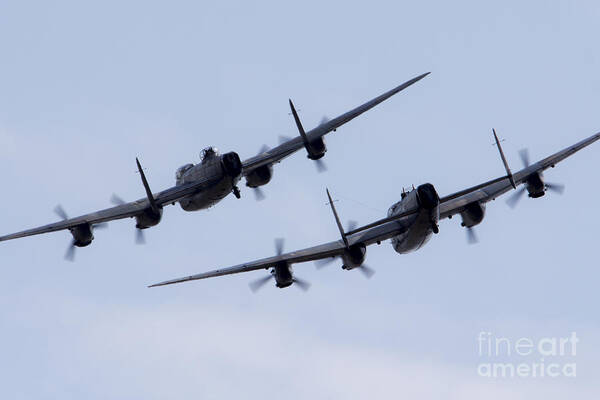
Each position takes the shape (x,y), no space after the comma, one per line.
(508,172)
(337,219)
(153,204)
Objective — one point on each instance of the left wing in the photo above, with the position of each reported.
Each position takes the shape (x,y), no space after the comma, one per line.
(286,149)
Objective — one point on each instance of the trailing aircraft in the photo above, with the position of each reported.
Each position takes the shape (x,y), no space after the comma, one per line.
(203,185)
(410,222)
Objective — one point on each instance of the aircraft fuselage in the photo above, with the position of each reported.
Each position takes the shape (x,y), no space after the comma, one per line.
(215,169)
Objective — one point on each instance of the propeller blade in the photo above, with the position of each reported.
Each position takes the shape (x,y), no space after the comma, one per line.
(351,225)
(70,254)
(116,200)
(61,212)
(259,194)
(283,139)
(279,245)
(324,120)
(555,187)
(367,271)
(140,238)
(524,154)
(302,284)
(321,166)
(263,149)
(257,284)
(101,225)
(324,262)
(471,236)
(514,199)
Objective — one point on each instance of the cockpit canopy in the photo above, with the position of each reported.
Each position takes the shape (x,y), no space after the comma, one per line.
(209,152)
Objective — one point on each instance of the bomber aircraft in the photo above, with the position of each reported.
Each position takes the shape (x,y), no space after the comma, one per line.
(201,186)
(410,222)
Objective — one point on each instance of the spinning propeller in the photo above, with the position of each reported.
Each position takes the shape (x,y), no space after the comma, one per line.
(259,283)
(70,254)
(259,195)
(367,271)
(471,236)
(513,200)
(313,154)
(140,237)
(349,257)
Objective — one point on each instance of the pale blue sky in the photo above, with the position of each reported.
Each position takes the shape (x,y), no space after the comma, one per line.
(87,87)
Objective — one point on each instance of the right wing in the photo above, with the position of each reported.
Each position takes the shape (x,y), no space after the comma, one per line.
(455,203)
(286,149)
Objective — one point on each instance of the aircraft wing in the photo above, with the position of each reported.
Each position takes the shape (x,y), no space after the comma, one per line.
(291,146)
(455,203)
(120,211)
(326,250)
(332,249)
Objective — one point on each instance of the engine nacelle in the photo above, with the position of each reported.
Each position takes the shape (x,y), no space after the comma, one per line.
(260,176)
(232,165)
(535,185)
(283,274)
(354,256)
(148,218)
(473,214)
(317,149)
(82,235)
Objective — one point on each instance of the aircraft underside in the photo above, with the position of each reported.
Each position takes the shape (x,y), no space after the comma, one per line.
(208,197)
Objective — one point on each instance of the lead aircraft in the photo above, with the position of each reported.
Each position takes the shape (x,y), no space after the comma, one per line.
(410,222)
(202,185)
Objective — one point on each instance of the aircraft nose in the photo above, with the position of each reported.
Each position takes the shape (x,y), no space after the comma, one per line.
(428,196)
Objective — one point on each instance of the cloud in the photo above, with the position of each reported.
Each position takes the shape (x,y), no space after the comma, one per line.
(185,351)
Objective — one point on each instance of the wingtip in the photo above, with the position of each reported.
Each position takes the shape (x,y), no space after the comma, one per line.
(160,284)
(418,78)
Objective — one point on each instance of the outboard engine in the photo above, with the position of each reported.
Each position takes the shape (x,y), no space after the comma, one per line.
(82,235)
(283,275)
(232,164)
(535,185)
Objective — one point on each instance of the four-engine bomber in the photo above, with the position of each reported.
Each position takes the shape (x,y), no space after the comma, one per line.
(203,185)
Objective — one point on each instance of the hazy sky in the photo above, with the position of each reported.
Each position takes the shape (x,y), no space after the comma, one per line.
(86,87)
